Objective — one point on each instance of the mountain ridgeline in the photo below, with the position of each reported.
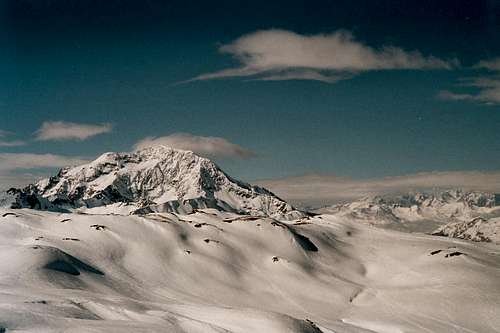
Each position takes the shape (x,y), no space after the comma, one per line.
(471,215)
(155,179)
(458,205)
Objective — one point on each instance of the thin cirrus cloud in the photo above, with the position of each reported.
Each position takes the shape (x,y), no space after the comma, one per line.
(283,55)
(203,145)
(17,169)
(491,64)
(304,75)
(320,190)
(61,130)
(486,86)
(16,161)
(9,143)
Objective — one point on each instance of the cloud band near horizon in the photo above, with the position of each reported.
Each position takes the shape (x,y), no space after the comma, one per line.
(19,169)
(321,190)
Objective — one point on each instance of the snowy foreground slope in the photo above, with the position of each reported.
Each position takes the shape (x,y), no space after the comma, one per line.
(214,271)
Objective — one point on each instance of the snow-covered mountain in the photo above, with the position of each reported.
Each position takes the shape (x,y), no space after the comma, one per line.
(156,179)
(420,211)
(478,229)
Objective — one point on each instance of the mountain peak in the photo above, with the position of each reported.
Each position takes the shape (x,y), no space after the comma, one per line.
(154,179)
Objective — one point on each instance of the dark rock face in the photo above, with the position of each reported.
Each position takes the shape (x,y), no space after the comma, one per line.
(28,197)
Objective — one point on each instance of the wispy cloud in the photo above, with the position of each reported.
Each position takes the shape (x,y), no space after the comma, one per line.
(18,179)
(9,143)
(305,75)
(486,87)
(448,95)
(15,161)
(12,143)
(17,169)
(61,130)
(319,190)
(491,64)
(488,91)
(280,55)
(204,145)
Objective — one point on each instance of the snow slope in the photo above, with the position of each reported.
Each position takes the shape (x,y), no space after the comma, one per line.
(156,179)
(216,271)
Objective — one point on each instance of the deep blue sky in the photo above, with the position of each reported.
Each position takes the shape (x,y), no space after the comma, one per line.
(118,61)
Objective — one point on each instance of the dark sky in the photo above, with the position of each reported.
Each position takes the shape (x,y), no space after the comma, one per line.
(118,62)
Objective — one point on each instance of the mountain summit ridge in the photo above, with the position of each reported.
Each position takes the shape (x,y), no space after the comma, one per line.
(153,179)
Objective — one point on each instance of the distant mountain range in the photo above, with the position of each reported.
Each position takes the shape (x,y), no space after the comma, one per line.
(463,214)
